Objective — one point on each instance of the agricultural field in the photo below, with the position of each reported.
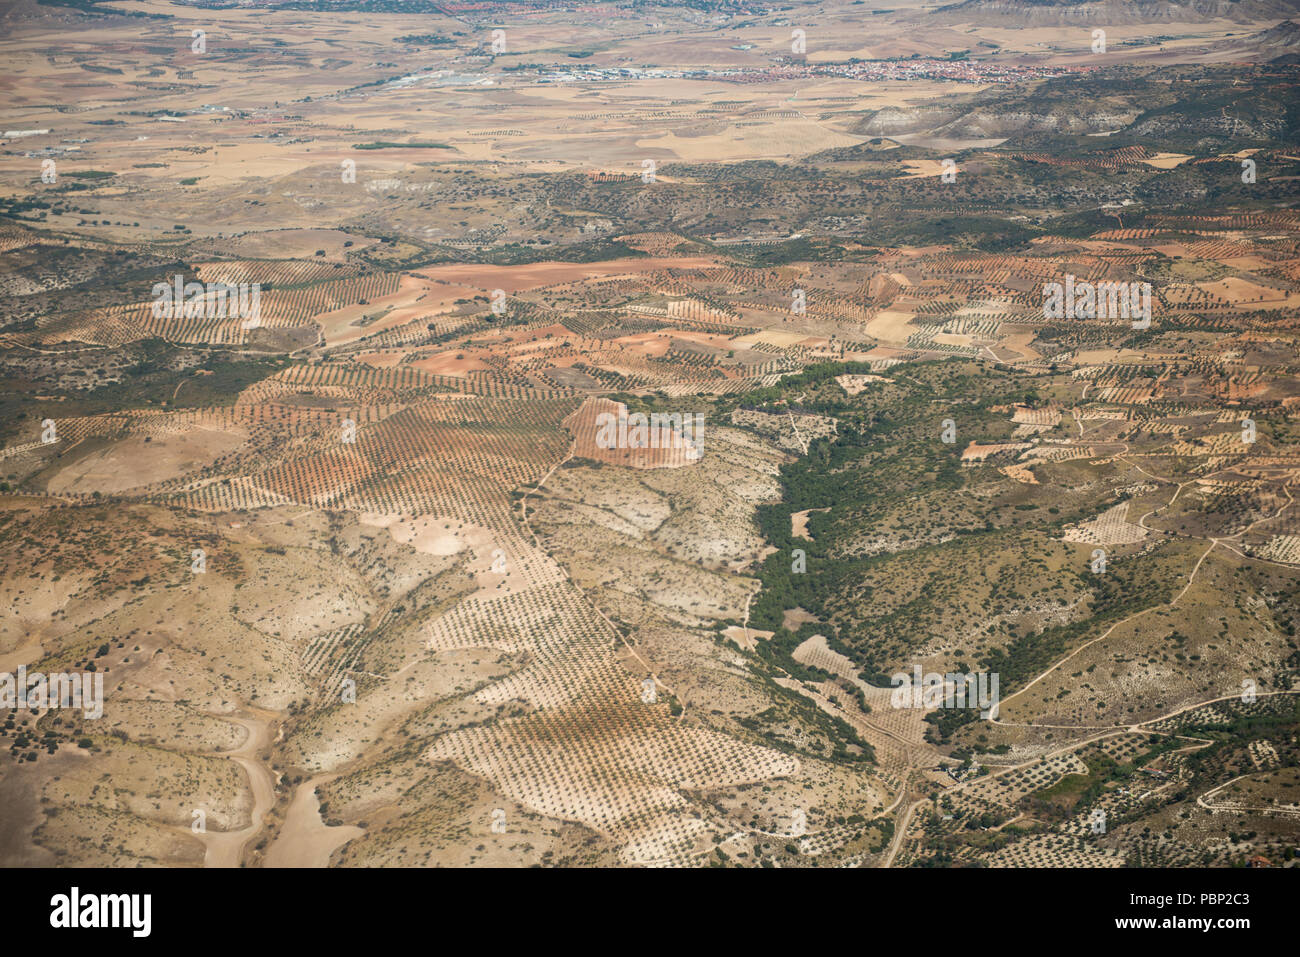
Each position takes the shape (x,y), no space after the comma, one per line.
(506,435)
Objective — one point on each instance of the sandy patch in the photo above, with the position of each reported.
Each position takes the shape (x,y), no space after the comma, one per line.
(792,618)
(1167,160)
(455,364)
(746,638)
(799,522)
(429,534)
(891,325)
(857,384)
(304,839)
(924,167)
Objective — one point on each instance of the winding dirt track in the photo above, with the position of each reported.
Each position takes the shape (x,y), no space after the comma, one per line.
(226,848)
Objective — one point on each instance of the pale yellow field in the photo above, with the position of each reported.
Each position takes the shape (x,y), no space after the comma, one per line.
(891,326)
(1167,160)
(1245,294)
